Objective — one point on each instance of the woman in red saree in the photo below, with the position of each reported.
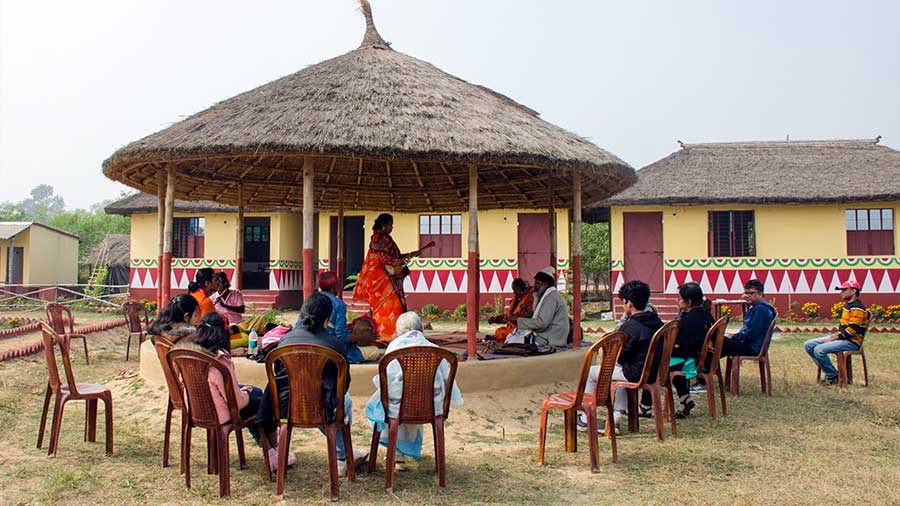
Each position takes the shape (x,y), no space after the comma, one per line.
(380,281)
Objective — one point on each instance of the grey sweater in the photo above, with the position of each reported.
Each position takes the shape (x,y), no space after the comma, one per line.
(550,322)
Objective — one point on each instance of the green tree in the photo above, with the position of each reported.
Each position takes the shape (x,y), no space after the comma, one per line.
(595,255)
(12,212)
(43,204)
(91,226)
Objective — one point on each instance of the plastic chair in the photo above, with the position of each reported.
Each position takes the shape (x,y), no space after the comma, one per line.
(712,345)
(713,330)
(733,366)
(60,317)
(845,367)
(191,371)
(70,391)
(667,334)
(304,365)
(608,347)
(419,365)
(136,325)
(175,402)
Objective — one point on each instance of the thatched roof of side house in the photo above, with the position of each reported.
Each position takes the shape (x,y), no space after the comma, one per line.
(769,172)
(392,131)
(143,203)
(118,251)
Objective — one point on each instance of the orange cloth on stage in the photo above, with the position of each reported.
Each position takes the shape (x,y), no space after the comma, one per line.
(206,305)
(522,307)
(383,292)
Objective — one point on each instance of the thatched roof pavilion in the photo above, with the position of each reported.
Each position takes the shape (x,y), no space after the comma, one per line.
(371,129)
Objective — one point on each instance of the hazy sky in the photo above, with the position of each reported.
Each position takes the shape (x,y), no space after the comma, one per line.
(79,79)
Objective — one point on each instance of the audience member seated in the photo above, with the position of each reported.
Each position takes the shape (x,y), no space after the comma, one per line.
(212,336)
(521,306)
(749,339)
(229,303)
(177,320)
(852,329)
(639,328)
(549,327)
(201,288)
(409,437)
(314,316)
(695,323)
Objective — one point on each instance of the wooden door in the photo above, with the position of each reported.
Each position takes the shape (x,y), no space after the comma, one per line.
(355,244)
(18,266)
(534,244)
(255,275)
(644,249)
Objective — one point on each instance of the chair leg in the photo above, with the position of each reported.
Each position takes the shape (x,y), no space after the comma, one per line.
(611,429)
(393,427)
(348,451)
(710,395)
(373,450)
(658,418)
(224,467)
(569,417)
(842,369)
(211,457)
(330,438)
(722,392)
(184,424)
(442,452)
(284,440)
(728,366)
(58,407)
(44,411)
(865,369)
(633,423)
(186,451)
(542,435)
(128,348)
(87,360)
(239,436)
(762,376)
(436,449)
(768,378)
(167,434)
(670,407)
(593,438)
(92,420)
(849,359)
(736,378)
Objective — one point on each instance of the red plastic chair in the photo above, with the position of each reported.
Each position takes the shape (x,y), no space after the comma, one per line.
(175,402)
(191,370)
(733,366)
(608,348)
(304,365)
(61,321)
(419,365)
(70,391)
(712,345)
(137,326)
(667,334)
(845,367)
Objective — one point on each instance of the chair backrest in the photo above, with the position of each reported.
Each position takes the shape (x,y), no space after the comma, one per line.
(418,364)
(53,340)
(715,339)
(191,370)
(764,349)
(133,311)
(162,350)
(608,347)
(656,347)
(59,317)
(669,333)
(304,365)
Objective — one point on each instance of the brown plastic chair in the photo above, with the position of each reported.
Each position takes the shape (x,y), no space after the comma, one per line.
(70,391)
(191,371)
(667,334)
(723,321)
(712,346)
(845,367)
(733,366)
(60,317)
(137,326)
(175,402)
(304,365)
(418,364)
(608,347)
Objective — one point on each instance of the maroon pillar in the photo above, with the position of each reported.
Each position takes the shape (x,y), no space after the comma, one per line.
(473,275)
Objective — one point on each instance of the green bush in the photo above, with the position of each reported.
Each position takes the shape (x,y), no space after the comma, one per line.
(430,310)
(460,312)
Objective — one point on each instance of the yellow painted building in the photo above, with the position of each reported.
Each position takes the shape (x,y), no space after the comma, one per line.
(206,236)
(35,254)
(800,216)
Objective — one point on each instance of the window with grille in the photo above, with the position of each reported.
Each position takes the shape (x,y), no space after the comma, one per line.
(870,231)
(188,237)
(446,232)
(732,234)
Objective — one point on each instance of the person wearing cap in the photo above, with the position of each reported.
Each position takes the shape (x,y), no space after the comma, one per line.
(550,323)
(852,329)
(337,324)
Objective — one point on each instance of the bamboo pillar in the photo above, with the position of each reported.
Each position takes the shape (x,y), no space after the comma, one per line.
(308,227)
(161,232)
(236,278)
(576,258)
(551,215)
(165,274)
(473,274)
(339,268)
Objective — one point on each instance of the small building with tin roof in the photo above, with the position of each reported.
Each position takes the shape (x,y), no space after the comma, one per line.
(32,253)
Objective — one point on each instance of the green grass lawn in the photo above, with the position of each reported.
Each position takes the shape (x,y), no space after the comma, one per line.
(806,445)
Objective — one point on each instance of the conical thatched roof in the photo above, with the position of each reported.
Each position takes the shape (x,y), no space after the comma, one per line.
(118,251)
(769,172)
(393,131)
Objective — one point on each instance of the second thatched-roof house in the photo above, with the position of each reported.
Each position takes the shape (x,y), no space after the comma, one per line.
(800,216)
(114,253)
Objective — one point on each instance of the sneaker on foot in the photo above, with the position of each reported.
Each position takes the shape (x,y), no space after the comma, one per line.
(645,411)
(697,388)
(581,423)
(273,459)
(828,382)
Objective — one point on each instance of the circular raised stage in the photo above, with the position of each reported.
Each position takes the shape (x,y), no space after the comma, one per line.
(472,376)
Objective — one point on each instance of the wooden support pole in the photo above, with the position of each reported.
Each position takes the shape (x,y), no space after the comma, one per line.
(309,228)
(236,278)
(473,274)
(165,274)
(576,258)
(551,215)
(339,268)
(161,232)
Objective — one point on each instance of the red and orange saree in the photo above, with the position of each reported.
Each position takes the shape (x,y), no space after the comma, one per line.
(380,283)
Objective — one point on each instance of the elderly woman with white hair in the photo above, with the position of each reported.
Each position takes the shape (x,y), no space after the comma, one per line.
(409,437)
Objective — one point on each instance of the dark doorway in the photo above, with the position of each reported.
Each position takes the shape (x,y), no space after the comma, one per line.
(15,277)
(534,244)
(642,233)
(354,244)
(255,275)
